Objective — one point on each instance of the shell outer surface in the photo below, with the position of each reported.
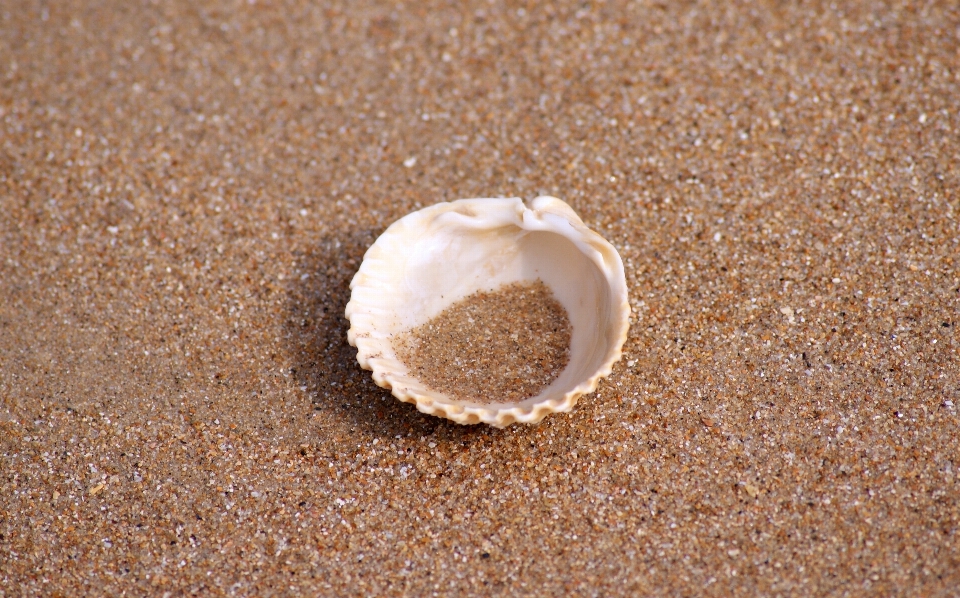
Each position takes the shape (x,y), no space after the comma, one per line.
(430,259)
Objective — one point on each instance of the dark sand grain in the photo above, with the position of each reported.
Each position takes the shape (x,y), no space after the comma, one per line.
(502,346)
(187,188)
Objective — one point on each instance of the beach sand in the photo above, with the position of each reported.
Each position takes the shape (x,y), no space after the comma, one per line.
(500,346)
(187,188)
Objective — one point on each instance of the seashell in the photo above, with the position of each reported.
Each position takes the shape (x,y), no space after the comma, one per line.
(430,259)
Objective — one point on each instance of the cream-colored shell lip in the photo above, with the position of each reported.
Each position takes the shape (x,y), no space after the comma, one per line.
(429,259)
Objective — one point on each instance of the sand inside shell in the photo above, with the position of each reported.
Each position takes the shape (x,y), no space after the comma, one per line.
(502,346)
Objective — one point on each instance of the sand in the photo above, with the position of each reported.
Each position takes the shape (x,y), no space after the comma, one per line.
(500,346)
(187,188)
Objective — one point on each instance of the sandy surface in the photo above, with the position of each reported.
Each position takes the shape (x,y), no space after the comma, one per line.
(186,189)
(501,346)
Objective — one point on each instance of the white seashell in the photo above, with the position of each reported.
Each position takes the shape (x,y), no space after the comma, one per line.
(432,258)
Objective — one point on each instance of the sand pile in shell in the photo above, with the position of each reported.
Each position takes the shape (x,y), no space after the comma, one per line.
(502,346)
